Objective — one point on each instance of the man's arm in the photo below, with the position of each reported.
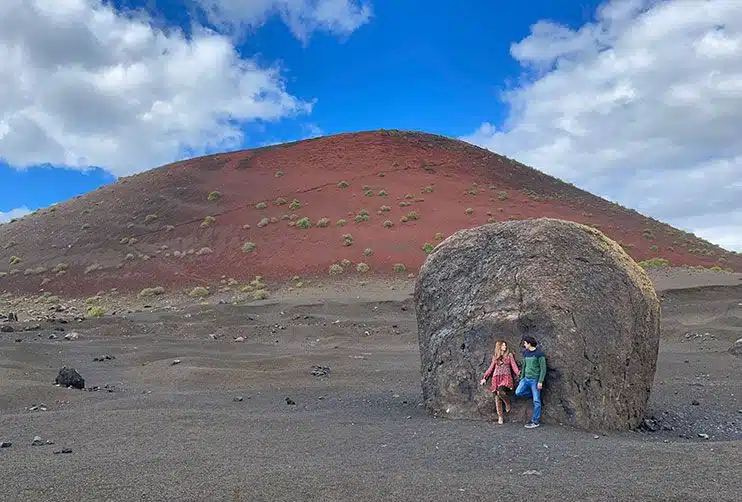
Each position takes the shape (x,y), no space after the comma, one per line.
(542,367)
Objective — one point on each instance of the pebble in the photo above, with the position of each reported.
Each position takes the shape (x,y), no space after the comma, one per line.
(6,444)
(238,399)
(175,361)
(239,339)
(703,436)
(63,451)
(531,473)
(72,336)
(290,401)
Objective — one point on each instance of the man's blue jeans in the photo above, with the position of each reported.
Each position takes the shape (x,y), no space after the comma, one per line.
(529,386)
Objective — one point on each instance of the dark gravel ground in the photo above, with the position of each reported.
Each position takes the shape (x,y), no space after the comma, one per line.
(175,431)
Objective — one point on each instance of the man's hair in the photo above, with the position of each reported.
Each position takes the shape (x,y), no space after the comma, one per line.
(530,340)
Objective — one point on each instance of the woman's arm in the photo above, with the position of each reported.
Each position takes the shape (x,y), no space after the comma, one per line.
(514,365)
(490,369)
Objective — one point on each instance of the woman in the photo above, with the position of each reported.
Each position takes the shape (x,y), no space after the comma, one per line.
(502,376)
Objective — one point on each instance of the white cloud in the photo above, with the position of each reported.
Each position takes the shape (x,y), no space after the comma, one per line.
(340,17)
(82,84)
(18,212)
(642,106)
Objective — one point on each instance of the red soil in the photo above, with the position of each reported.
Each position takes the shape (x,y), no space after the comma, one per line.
(88,230)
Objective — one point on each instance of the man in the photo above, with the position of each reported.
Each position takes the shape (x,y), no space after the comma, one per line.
(532,377)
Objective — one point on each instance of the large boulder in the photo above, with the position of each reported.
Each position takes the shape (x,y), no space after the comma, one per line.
(593,310)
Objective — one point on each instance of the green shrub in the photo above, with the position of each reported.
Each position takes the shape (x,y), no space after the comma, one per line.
(336,269)
(369,193)
(97,311)
(279,174)
(323,222)
(214,195)
(341,223)
(428,189)
(362,268)
(388,224)
(207,221)
(438,236)
(368,252)
(199,292)
(428,248)
(399,268)
(343,184)
(259,294)
(261,205)
(469,211)
(295,205)
(503,195)
(346,263)
(14,260)
(150,292)
(150,217)
(280,201)
(385,209)
(249,247)
(383,193)
(263,223)
(303,223)
(347,239)
(412,215)
(654,263)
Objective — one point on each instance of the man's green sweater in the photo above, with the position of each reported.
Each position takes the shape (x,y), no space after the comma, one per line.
(534,364)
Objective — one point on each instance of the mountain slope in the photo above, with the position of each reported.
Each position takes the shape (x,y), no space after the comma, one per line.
(186,224)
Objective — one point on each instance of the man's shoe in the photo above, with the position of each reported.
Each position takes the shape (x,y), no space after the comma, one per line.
(531,425)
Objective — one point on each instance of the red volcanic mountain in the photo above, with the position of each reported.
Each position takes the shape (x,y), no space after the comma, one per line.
(375,198)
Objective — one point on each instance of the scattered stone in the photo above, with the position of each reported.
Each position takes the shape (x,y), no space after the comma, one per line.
(69,377)
(237,399)
(6,444)
(736,348)
(52,337)
(103,358)
(650,425)
(531,473)
(33,327)
(37,441)
(6,328)
(175,361)
(63,451)
(695,403)
(72,335)
(106,387)
(290,401)
(239,339)
(703,436)
(488,280)
(320,371)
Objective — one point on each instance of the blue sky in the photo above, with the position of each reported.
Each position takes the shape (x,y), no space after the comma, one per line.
(593,108)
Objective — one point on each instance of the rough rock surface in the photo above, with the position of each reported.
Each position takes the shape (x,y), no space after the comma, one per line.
(593,310)
(736,348)
(69,377)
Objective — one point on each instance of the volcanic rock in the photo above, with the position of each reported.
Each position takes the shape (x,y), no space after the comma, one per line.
(593,310)
(69,377)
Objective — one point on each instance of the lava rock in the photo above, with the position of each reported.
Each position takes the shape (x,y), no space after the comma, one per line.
(69,377)
(7,328)
(290,401)
(103,358)
(736,348)
(6,444)
(593,310)
(320,371)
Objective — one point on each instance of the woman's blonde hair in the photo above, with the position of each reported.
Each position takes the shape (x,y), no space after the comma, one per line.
(501,350)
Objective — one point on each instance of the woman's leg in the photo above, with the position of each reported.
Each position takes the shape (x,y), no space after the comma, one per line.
(502,394)
(498,405)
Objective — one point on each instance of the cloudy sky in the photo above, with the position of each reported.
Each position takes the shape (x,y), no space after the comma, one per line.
(638,101)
